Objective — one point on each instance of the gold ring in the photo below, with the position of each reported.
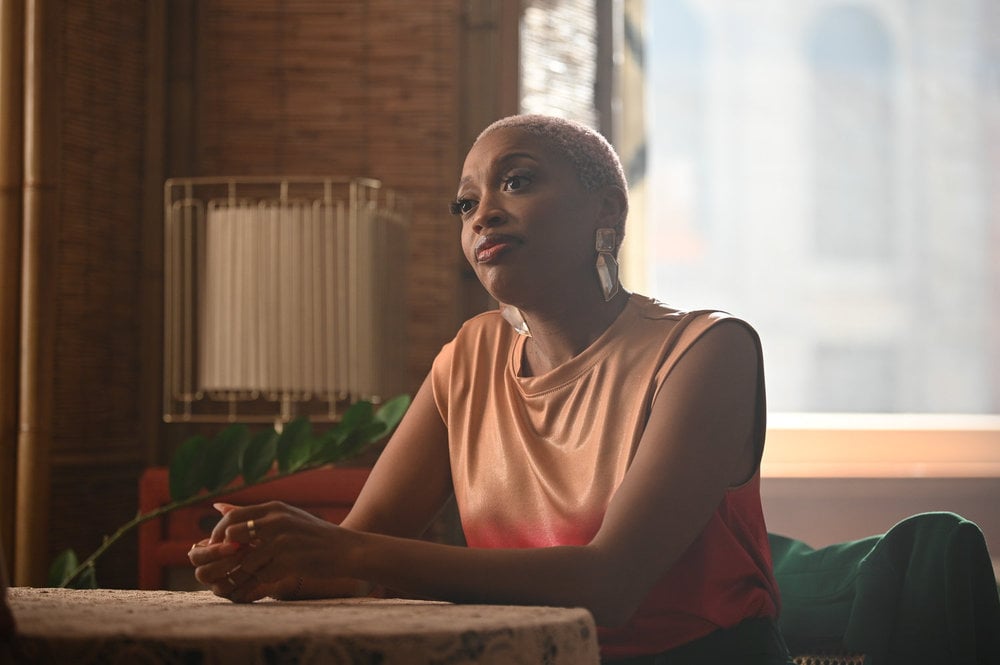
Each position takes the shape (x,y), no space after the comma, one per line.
(252,529)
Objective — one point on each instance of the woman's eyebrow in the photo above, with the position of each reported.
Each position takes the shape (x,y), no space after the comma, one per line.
(501,162)
(511,156)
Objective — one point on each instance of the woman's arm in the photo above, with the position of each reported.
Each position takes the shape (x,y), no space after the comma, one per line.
(407,487)
(411,480)
(697,443)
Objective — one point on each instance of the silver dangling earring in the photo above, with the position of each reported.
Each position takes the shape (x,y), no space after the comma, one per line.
(607,264)
(513,316)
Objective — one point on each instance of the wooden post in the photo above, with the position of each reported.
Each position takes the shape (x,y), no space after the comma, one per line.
(37,293)
(11,183)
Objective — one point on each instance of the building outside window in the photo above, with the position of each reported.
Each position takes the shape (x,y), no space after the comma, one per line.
(826,169)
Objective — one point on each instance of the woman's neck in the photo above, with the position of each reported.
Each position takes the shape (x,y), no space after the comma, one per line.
(561,333)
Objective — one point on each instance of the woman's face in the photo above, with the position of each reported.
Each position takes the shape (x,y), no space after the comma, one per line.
(528,223)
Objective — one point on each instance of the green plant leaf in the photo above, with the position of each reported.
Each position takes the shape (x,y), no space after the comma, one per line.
(223,455)
(301,451)
(187,468)
(62,566)
(357,415)
(344,440)
(328,447)
(359,427)
(290,439)
(360,438)
(392,412)
(259,455)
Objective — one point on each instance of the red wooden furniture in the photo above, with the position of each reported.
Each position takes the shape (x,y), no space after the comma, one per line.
(164,542)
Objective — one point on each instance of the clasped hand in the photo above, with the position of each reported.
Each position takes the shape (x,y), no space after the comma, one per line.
(264,550)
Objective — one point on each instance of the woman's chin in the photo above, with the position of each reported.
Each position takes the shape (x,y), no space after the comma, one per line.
(503,288)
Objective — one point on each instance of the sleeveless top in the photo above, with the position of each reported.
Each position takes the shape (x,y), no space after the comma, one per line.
(536,460)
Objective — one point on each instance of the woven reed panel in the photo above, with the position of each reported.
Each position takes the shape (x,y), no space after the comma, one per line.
(93,500)
(97,274)
(559,40)
(350,88)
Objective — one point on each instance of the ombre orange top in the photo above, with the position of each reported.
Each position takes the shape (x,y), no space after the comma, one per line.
(535,462)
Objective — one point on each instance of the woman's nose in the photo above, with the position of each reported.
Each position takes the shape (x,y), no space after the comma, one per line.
(488,216)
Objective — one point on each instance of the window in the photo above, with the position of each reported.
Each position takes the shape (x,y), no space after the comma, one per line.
(850,127)
(827,170)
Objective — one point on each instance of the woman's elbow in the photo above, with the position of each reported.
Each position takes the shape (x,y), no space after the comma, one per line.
(612,612)
(611,586)
(613,604)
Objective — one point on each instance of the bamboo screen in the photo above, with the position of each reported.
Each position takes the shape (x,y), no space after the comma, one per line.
(283,297)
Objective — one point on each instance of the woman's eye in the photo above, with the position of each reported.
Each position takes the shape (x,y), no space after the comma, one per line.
(514,182)
(462,206)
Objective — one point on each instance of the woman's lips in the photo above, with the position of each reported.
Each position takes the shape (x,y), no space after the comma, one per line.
(491,247)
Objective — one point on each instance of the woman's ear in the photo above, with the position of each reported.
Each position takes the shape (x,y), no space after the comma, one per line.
(614,208)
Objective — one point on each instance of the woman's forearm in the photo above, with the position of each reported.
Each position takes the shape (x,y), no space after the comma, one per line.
(570,576)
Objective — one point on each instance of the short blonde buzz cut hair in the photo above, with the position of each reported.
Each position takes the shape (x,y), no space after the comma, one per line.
(594,159)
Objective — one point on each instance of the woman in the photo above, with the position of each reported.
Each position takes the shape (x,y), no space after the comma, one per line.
(603,448)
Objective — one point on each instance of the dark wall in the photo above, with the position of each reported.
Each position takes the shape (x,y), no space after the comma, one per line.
(149,90)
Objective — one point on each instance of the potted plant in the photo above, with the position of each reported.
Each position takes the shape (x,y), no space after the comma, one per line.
(204,468)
